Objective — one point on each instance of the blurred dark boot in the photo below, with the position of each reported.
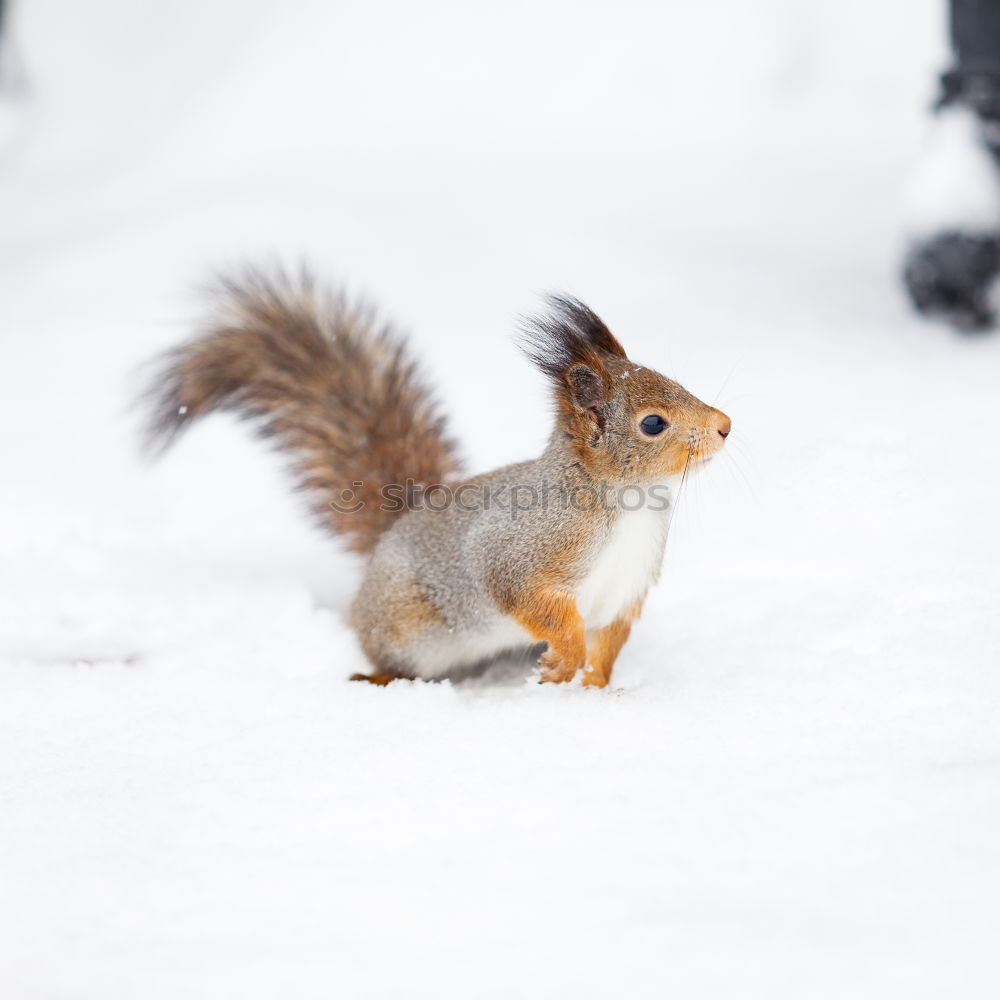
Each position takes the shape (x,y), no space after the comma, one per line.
(952,263)
(12,77)
(951,276)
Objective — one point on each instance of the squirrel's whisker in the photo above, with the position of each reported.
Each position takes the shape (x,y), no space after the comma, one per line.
(725,381)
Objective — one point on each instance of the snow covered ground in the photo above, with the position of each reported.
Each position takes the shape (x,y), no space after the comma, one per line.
(793,788)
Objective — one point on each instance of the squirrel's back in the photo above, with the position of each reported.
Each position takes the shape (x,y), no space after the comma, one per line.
(334,388)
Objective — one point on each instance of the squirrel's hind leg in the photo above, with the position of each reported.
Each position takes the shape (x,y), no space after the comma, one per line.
(390,616)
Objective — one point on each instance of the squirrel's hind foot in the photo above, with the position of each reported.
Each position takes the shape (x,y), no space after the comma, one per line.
(379,677)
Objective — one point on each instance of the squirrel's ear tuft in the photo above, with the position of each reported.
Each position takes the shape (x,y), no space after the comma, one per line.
(569,334)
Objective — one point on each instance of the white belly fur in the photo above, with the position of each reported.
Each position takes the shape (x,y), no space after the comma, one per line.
(444,651)
(626,566)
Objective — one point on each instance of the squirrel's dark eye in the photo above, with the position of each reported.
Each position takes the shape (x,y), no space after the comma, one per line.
(653,424)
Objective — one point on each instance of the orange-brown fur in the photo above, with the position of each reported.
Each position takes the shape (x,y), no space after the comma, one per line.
(551,616)
(605,645)
(379,678)
(416,612)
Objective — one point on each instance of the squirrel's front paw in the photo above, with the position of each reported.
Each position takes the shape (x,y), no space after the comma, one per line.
(557,668)
(594,677)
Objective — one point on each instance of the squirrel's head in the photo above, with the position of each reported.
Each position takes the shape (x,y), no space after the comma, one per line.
(625,423)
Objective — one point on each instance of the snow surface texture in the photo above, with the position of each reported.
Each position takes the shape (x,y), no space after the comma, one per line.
(791,789)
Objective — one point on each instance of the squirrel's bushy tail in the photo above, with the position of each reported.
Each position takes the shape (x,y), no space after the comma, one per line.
(337,391)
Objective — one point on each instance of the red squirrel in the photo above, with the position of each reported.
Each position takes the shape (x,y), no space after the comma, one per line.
(559,550)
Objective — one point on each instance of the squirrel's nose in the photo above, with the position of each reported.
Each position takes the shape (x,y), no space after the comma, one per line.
(723,425)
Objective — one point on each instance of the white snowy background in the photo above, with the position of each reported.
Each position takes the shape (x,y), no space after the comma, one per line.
(792,788)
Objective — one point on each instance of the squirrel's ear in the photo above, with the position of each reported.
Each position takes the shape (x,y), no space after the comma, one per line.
(586,387)
(588,395)
(572,347)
